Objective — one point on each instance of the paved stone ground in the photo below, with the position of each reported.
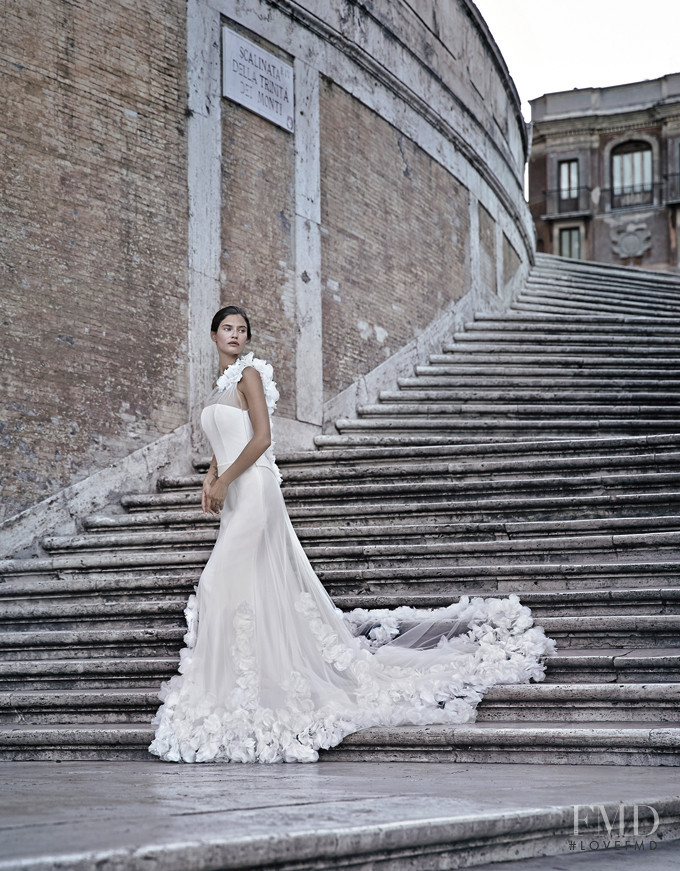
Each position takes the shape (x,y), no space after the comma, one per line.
(78,814)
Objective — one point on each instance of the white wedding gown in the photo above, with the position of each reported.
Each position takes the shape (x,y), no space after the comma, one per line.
(272,671)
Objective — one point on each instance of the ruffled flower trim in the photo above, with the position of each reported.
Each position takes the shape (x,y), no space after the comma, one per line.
(233,374)
(501,646)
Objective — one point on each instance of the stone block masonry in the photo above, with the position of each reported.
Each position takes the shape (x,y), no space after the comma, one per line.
(258,237)
(395,239)
(93,216)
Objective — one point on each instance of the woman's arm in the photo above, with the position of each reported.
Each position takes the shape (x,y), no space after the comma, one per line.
(251,387)
(208,481)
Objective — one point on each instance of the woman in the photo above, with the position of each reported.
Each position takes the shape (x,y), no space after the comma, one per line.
(272,671)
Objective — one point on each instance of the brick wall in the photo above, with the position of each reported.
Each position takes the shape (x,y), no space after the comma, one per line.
(258,226)
(395,228)
(93,217)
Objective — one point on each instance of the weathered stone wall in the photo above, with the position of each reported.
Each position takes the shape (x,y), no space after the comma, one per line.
(138,200)
(394,252)
(93,216)
(258,237)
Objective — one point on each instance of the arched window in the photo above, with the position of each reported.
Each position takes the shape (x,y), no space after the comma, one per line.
(632,178)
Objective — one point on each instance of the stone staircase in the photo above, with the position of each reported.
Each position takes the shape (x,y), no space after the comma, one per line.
(539,453)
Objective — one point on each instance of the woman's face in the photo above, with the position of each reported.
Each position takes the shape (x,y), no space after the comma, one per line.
(231,335)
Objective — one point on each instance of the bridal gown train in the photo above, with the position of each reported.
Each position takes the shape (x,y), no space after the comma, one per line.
(272,671)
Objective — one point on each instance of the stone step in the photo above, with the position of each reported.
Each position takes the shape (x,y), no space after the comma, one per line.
(84,643)
(658,340)
(425,513)
(476,411)
(547,602)
(622,665)
(463,467)
(485,396)
(127,609)
(631,301)
(353,450)
(657,703)
(98,673)
(418,443)
(582,702)
(111,705)
(394,531)
(61,607)
(509,427)
(618,665)
(602,743)
(599,300)
(524,302)
(620,288)
(591,324)
(393,534)
(464,371)
(582,549)
(568,269)
(610,481)
(492,578)
(581,356)
(659,630)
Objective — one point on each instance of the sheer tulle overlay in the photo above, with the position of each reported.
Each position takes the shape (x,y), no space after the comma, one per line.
(272,671)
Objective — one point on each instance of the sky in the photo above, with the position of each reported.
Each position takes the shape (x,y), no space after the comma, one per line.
(557,45)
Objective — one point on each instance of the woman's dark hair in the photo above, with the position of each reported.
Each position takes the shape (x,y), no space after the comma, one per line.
(224,313)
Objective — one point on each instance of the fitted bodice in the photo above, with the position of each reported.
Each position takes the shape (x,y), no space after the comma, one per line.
(228,428)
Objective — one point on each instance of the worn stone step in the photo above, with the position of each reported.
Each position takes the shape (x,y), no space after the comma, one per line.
(84,643)
(460,467)
(409,441)
(467,427)
(589,297)
(646,295)
(659,341)
(424,513)
(656,543)
(124,610)
(597,300)
(582,702)
(534,357)
(395,534)
(595,744)
(489,370)
(492,578)
(596,483)
(513,396)
(659,630)
(662,348)
(656,703)
(352,451)
(616,665)
(546,602)
(602,743)
(476,411)
(524,302)
(79,706)
(84,673)
(394,531)
(592,324)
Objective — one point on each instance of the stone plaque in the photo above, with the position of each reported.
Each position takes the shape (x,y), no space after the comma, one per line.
(257,79)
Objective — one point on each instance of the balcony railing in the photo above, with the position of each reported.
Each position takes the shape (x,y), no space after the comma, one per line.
(633,196)
(574,202)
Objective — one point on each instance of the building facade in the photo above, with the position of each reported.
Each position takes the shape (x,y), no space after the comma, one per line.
(604,173)
(368,198)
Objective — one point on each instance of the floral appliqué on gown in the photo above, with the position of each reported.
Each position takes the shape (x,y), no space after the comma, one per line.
(272,671)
